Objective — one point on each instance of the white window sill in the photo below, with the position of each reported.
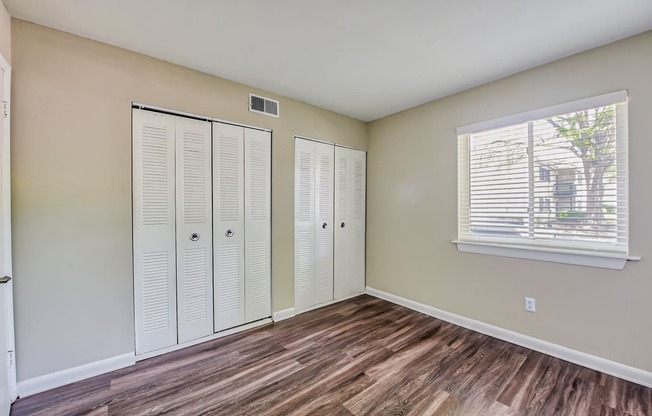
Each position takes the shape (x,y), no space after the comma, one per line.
(576,257)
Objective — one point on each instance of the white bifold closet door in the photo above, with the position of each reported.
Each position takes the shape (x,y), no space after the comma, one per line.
(258,219)
(172,230)
(194,229)
(313,209)
(349,266)
(242,218)
(155,275)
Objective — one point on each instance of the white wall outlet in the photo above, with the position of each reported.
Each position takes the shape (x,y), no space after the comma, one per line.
(530,305)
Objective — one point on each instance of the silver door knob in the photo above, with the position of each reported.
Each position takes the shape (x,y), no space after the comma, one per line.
(194,237)
(324,225)
(5,279)
(229,233)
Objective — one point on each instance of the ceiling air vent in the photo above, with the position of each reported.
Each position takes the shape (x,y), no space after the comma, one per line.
(262,105)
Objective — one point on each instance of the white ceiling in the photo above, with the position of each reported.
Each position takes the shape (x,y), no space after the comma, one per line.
(362,58)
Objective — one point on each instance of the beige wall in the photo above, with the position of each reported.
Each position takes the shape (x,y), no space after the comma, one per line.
(5,33)
(71,165)
(412,213)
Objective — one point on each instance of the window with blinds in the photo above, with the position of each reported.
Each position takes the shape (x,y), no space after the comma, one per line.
(550,178)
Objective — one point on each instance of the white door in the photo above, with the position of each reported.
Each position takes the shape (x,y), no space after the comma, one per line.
(304,224)
(7,362)
(324,223)
(349,262)
(194,229)
(313,209)
(258,238)
(228,230)
(154,230)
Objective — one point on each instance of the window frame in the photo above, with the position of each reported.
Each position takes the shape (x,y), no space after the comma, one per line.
(567,252)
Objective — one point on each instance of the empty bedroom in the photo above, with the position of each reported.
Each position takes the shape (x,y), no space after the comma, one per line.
(335,207)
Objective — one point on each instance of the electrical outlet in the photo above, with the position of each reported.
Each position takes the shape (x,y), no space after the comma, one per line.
(530,305)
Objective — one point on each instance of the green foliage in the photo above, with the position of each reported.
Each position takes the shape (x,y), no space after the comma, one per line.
(572,215)
(590,134)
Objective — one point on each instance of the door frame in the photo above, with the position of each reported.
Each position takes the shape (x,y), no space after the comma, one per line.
(5,216)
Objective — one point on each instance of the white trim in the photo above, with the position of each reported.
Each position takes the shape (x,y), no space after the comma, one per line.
(635,375)
(154,108)
(553,110)
(312,139)
(5,216)
(577,257)
(283,315)
(327,303)
(297,136)
(70,375)
(211,337)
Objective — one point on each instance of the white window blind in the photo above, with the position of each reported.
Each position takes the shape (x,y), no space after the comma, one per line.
(550,178)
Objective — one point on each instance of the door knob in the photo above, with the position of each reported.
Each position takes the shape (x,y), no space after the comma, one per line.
(324,225)
(5,279)
(229,233)
(342,225)
(194,237)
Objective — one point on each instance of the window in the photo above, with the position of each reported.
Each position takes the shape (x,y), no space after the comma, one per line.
(544,174)
(553,180)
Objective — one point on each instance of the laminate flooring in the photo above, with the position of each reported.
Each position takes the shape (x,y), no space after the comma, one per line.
(363,356)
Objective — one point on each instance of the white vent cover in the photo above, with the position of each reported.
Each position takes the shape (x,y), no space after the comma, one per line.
(262,105)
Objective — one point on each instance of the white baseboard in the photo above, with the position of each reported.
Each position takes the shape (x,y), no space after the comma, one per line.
(284,314)
(633,374)
(70,375)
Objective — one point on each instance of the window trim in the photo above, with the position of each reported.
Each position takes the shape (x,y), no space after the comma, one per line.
(601,260)
(553,110)
(565,255)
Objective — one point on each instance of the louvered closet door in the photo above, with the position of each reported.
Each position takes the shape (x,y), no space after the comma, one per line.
(194,229)
(257,174)
(350,196)
(324,223)
(154,230)
(304,223)
(229,235)
(313,223)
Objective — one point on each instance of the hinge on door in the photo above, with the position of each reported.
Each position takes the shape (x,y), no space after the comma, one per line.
(5,109)
(11,357)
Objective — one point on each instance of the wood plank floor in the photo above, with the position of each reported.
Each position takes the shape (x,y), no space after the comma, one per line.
(363,356)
